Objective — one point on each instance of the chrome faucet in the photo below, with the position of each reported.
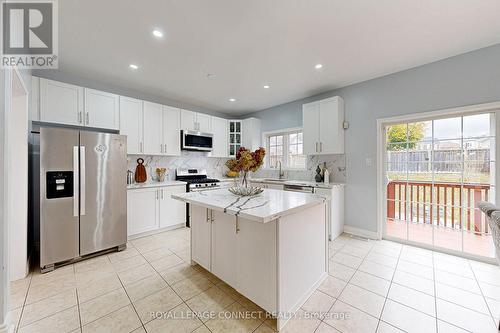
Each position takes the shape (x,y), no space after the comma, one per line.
(281,173)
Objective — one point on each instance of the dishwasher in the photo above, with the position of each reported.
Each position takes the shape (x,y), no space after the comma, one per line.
(298,188)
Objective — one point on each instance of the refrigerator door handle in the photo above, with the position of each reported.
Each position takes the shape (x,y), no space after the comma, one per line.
(82,180)
(76,179)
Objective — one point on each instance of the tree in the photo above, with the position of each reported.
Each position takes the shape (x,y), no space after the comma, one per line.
(403,136)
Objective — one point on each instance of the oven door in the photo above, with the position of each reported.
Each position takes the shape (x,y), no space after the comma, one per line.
(192,140)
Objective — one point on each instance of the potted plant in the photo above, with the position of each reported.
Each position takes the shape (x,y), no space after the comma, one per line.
(244,162)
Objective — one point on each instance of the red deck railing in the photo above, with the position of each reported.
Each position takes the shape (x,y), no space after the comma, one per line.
(440,203)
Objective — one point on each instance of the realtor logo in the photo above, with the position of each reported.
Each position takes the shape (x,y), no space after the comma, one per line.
(29,34)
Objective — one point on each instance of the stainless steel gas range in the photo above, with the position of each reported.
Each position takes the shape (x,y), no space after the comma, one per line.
(197,180)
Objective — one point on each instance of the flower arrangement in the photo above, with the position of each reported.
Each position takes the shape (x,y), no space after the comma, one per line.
(245,161)
(160,172)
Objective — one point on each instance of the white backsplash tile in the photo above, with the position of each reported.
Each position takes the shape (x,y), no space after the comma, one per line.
(216,166)
(334,163)
(188,160)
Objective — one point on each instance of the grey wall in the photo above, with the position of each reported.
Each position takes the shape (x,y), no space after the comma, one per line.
(470,78)
(121,90)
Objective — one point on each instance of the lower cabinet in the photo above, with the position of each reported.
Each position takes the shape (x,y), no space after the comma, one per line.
(142,210)
(224,243)
(200,235)
(150,209)
(240,252)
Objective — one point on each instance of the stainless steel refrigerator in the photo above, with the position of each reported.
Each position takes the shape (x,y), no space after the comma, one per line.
(83,194)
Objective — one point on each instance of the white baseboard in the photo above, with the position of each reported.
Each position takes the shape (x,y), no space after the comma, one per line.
(281,322)
(7,326)
(156,231)
(361,232)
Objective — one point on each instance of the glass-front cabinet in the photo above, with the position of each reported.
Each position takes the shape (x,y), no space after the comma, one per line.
(234,136)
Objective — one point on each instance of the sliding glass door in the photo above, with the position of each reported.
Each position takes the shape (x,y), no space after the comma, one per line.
(436,172)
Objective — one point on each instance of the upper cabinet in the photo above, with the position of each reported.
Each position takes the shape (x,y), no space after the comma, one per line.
(323,123)
(171,130)
(194,121)
(61,103)
(68,104)
(131,123)
(153,125)
(251,135)
(235,132)
(102,109)
(219,129)
(151,128)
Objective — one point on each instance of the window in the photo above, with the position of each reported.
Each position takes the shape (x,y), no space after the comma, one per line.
(286,147)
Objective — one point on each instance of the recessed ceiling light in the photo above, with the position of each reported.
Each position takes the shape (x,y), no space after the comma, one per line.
(157,33)
(232,99)
(133,66)
(211,76)
(266,86)
(318,66)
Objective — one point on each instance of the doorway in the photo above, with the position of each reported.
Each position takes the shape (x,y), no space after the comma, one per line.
(436,171)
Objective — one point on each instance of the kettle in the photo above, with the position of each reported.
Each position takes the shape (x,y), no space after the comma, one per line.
(130,177)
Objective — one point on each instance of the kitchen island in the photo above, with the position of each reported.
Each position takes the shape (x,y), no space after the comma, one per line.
(272,248)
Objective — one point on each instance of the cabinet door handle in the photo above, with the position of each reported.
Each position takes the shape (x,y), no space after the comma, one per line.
(161,194)
(156,194)
(316,147)
(87,118)
(79,117)
(208,215)
(140,147)
(320,147)
(237,226)
(161,148)
(212,216)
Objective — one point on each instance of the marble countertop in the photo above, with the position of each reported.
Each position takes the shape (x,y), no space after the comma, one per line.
(155,184)
(265,207)
(297,182)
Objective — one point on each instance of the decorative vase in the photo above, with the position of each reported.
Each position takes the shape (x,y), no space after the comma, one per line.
(244,179)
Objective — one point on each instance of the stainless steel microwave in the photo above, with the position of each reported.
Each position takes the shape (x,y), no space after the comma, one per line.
(194,140)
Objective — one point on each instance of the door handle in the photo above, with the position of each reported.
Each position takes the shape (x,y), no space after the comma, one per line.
(76,181)
(320,147)
(87,118)
(79,117)
(140,148)
(208,215)
(82,180)
(237,226)
(161,148)
(316,147)
(161,194)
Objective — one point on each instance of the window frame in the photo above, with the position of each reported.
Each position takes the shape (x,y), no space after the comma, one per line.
(286,147)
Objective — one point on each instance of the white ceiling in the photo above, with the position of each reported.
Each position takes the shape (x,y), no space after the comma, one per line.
(249,43)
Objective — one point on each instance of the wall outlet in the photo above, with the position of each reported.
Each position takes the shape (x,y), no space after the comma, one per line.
(369,162)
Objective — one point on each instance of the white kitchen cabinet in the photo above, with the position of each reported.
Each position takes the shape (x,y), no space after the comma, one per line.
(142,210)
(251,133)
(256,261)
(153,128)
(310,128)
(204,123)
(61,103)
(152,209)
(172,212)
(102,109)
(334,209)
(224,245)
(188,120)
(201,229)
(323,123)
(235,134)
(131,123)
(194,121)
(220,144)
(171,131)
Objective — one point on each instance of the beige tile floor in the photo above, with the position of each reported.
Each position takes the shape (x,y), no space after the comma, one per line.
(373,286)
